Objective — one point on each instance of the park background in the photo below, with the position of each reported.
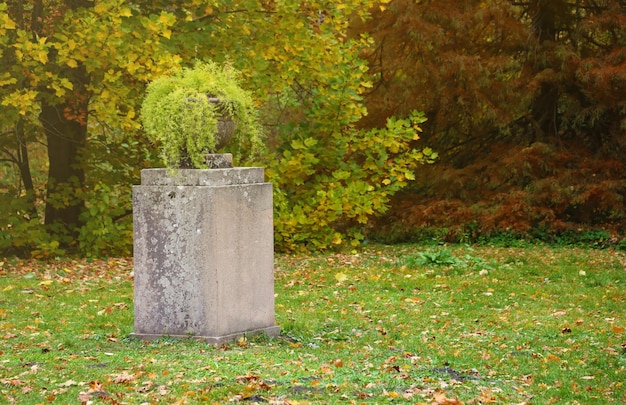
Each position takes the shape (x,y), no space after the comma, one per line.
(387,121)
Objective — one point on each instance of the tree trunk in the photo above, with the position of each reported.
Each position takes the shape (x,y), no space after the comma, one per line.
(544,109)
(66,138)
(65,127)
(23,163)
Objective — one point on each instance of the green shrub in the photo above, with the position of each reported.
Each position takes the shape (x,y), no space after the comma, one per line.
(328,188)
(23,234)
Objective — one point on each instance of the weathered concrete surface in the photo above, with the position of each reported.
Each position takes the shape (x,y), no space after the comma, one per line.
(204,254)
(196,177)
(219,160)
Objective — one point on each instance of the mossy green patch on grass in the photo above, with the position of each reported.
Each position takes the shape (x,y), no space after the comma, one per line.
(454,324)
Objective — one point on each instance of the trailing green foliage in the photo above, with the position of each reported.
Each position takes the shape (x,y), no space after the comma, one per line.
(180,118)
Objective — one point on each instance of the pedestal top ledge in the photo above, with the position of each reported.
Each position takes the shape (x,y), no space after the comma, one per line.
(202,177)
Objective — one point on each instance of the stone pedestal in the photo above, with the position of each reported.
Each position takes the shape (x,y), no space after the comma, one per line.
(204,254)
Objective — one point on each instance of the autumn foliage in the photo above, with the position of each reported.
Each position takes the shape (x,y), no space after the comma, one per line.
(526,104)
(540,191)
(520,104)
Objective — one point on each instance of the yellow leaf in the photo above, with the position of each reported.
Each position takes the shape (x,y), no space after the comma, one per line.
(386,182)
(72,63)
(341,277)
(67,84)
(125,12)
(167,34)
(42,56)
(100,8)
(166,18)
(337,239)
(8,24)
(392,394)
(552,357)
(46,282)
(7,79)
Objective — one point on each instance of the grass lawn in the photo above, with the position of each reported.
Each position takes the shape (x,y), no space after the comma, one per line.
(401,324)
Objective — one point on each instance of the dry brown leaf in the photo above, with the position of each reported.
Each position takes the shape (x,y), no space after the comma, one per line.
(84,397)
(441,399)
(124,378)
(68,383)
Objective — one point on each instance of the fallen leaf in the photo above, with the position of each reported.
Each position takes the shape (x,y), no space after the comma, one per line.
(124,378)
(552,357)
(84,397)
(341,277)
(13,382)
(68,383)
(325,368)
(146,386)
(441,399)
(487,397)
(527,379)
(391,394)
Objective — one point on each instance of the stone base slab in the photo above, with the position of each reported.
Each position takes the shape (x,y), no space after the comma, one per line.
(272,331)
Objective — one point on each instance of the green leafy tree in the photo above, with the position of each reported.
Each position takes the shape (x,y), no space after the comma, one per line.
(75,76)
(72,70)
